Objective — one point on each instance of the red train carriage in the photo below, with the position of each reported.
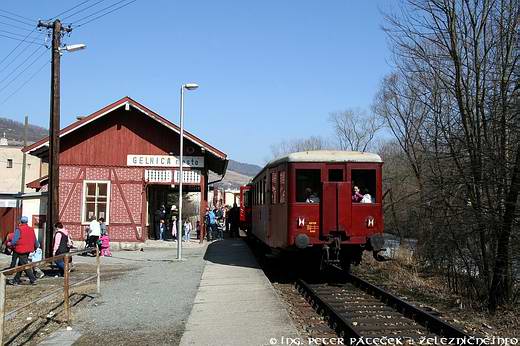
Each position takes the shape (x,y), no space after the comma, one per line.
(306,200)
(245,207)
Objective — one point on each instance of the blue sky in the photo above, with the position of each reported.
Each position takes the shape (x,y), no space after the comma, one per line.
(268,70)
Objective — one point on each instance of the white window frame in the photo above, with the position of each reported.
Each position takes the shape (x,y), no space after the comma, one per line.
(83,198)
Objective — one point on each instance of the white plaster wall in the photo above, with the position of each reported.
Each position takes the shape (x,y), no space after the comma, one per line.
(10,178)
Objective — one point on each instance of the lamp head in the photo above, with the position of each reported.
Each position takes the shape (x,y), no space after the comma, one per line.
(74,47)
(190,86)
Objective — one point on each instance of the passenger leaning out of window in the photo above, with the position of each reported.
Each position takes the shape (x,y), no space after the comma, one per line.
(367,198)
(312,197)
(356,195)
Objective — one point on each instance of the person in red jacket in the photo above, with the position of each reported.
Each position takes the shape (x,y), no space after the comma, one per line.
(24,242)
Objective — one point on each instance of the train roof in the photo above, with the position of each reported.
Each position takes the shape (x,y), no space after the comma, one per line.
(327,156)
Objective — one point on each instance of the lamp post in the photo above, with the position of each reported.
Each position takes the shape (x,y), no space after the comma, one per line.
(188,86)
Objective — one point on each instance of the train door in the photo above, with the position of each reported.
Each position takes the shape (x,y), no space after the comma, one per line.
(335,208)
(366,201)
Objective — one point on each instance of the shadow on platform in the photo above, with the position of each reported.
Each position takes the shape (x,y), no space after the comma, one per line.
(232,252)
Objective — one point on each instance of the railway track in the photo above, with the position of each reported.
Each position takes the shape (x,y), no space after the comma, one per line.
(357,309)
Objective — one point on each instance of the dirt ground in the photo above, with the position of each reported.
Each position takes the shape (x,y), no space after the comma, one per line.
(401,277)
(44,313)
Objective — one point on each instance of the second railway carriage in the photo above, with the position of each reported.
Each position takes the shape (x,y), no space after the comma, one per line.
(305,200)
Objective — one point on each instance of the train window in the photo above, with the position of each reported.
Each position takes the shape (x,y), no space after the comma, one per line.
(261,192)
(308,185)
(247,197)
(335,175)
(365,180)
(264,190)
(281,178)
(274,187)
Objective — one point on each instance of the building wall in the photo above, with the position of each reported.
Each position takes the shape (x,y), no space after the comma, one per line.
(10,178)
(125,208)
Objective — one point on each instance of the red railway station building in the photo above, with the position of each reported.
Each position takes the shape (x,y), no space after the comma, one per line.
(121,163)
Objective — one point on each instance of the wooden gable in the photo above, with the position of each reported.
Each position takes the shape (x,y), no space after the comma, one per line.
(108,140)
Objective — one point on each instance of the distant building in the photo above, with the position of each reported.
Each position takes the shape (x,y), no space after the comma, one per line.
(11,160)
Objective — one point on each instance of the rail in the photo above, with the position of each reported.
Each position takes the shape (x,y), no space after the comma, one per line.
(66,284)
(341,322)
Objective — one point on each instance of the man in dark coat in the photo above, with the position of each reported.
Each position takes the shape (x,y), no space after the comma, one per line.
(160,214)
(234,219)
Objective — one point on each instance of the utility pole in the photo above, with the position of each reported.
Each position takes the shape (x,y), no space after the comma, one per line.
(54,129)
(24,163)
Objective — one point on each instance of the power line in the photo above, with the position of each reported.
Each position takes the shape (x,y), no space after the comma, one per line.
(14,59)
(11,33)
(15,20)
(17,15)
(19,65)
(16,27)
(70,9)
(25,83)
(22,41)
(83,9)
(21,72)
(19,44)
(104,14)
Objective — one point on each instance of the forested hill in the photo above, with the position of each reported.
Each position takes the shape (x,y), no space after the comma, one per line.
(14,131)
(247,169)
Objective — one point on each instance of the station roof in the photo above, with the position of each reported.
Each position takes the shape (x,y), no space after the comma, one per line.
(216,159)
(327,156)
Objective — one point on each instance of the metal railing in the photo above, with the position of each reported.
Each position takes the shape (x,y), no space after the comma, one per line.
(66,284)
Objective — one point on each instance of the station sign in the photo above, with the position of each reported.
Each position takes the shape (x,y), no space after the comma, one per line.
(164,161)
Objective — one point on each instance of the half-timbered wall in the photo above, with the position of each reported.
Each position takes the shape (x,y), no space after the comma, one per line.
(125,216)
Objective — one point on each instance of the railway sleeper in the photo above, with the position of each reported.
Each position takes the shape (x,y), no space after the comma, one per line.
(383,328)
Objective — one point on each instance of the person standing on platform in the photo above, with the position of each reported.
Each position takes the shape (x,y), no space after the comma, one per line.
(62,244)
(197,229)
(174,214)
(234,218)
(162,230)
(24,242)
(211,224)
(160,214)
(187,229)
(102,226)
(94,232)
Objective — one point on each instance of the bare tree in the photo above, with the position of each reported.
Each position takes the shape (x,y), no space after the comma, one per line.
(299,144)
(355,129)
(452,105)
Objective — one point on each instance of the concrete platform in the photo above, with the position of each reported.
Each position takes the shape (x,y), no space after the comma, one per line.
(235,303)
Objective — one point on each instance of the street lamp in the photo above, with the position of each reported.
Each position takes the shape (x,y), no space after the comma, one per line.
(187,86)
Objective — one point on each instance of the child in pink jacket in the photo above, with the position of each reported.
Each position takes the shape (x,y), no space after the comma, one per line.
(105,245)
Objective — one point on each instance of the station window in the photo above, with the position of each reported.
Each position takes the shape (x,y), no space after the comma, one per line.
(274,187)
(9,163)
(335,175)
(96,200)
(308,185)
(365,180)
(281,178)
